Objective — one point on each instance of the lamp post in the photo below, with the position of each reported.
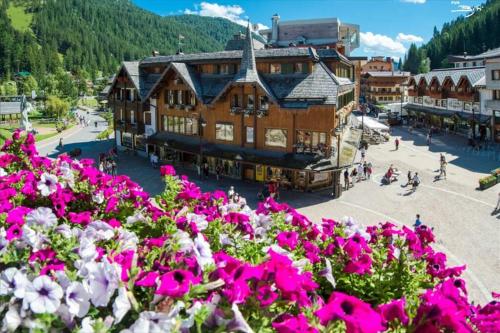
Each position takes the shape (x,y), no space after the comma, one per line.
(336,180)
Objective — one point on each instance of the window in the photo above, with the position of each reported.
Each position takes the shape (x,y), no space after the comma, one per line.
(276,137)
(180,97)
(287,68)
(301,67)
(147,118)
(474,63)
(170,123)
(235,101)
(164,121)
(127,139)
(225,69)
(192,99)
(275,69)
(495,74)
(249,134)
(170,95)
(224,132)
(182,127)
(264,102)
(464,64)
(132,117)
(250,101)
(496,95)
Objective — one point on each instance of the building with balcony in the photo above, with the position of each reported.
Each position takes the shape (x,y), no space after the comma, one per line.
(383,87)
(467,61)
(493,85)
(378,64)
(258,114)
(451,99)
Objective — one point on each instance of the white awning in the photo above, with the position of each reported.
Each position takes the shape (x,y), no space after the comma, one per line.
(372,124)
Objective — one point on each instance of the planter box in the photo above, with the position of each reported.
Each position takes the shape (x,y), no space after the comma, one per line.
(492,181)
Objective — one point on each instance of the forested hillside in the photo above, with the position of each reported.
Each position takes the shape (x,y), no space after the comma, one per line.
(473,35)
(93,36)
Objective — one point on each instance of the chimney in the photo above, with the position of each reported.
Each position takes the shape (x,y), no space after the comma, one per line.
(155,53)
(274,33)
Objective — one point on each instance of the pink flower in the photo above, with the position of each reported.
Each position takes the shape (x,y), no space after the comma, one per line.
(14,232)
(167,170)
(358,316)
(17,215)
(82,218)
(359,266)
(266,296)
(394,310)
(290,324)
(175,283)
(147,279)
(288,239)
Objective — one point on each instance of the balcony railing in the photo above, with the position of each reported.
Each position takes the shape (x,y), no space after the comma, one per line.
(452,104)
(247,111)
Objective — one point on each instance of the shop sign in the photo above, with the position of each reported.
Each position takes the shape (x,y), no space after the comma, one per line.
(320,177)
(259,173)
(428,101)
(455,104)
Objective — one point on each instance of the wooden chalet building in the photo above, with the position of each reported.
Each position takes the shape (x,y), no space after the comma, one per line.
(259,114)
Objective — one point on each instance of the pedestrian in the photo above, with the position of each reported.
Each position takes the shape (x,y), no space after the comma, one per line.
(410,178)
(205,169)
(346,179)
(113,167)
(60,142)
(442,170)
(218,171)
(198,169)
(369,169)
(363,153)
(442,159)
(151,160)
(418,223)
(360,172)
(354,175)
(365,170)
(416,181)
(429,138)
(498,203)
(396,142)
(230,193)
(101,166)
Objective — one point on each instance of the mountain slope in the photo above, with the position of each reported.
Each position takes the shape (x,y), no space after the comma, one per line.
(473,35)
(95,35)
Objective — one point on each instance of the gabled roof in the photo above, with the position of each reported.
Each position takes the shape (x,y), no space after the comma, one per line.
(142,81)
(473,74)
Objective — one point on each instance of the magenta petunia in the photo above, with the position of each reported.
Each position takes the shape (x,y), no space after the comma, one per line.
(293,324)
(394,310)
(175,283)
(288,239)
(167,170)
(266,295)
(14,232)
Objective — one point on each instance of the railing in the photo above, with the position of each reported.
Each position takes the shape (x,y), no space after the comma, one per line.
(261,112)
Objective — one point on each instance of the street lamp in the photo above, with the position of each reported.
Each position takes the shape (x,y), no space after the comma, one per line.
(335,182)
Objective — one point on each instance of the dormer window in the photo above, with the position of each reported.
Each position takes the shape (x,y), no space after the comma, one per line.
(275,69)
(250,102)
(192,99)
(180,97)
(170,97)
(235,101)
(264,102)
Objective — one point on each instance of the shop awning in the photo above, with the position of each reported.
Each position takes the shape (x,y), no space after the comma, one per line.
(190,144)
(430,110)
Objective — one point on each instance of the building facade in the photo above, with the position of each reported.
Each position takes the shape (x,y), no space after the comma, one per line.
(467,61)
(493,85)
(378,64)
(384,87)
(269,114)
(453,100)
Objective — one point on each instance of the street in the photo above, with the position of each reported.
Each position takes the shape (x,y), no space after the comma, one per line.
(461,216)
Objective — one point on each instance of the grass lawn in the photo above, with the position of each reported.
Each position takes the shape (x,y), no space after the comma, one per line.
(40,137)
(21,20)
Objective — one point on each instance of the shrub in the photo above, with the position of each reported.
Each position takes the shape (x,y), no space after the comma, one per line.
(82,250)
(488,180)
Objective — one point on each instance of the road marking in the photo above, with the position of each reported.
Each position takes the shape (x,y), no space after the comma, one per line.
(473,277)
(380,176)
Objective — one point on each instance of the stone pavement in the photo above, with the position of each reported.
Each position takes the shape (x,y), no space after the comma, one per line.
(462,218)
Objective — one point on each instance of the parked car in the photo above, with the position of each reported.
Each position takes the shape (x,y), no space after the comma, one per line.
(383,118)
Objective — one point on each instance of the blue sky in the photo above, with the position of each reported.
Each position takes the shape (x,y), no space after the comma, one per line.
(387,26)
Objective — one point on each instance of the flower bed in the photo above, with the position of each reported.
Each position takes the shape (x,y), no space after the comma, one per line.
(83,251)
(487,182)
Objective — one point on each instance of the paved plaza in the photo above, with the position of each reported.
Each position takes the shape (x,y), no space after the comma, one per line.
(462,216)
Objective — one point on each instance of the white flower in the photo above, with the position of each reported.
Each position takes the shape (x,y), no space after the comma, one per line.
(42,216)
(11,320)
(33,238)
(238,323)
(156,322)
(199,220)
(127,240)
(137,217)
(192,312)
(121,305)
(185,242)
(3,173)
(301,264)
(87,249)
(77,299)
(64,230)
(202,252)
(3,244)
(67,174)
(98,197)
(225,240)
(47,184)
(87,325)
(103,280)
(13,281)
(99,230)
(43,295)
(328,273)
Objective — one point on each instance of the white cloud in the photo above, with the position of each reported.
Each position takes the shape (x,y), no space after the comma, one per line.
(404,38)
(233,13)
(381,45)
(419,2)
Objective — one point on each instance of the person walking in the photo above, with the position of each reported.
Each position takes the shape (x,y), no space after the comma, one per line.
(113,167)
(396,142)
(231,193)
(360,172)
(346,179)
(60,142)
(410,178)
(354,175)
(363,153)
(442,170)
(365,170)
(369,169)
(418,223)
(429,138)
(205,169)
(416,181)
(218,171)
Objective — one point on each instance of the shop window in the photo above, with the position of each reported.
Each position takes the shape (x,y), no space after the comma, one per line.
(264,102)
(140,143)
(127,139)
(276,137)
(249,134)
(275,69)
(224,132)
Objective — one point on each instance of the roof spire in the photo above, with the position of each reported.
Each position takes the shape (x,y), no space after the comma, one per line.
(248,56)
